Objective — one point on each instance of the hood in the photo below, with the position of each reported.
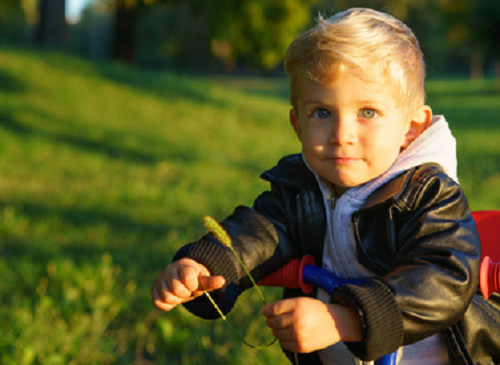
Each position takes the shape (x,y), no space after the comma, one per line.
(435,145)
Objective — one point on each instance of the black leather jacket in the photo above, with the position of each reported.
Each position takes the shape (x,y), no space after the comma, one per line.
(416,233)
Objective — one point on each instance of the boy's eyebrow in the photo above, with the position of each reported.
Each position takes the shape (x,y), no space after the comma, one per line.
(307,102)
(381,103)
(376,102)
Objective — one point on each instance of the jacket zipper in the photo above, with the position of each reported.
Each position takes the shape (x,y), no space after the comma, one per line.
(333,201)
(333,204)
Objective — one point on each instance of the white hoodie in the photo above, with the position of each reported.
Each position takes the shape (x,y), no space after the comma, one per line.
(435,145)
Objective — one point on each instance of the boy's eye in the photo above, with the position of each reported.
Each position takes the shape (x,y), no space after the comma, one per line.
(368,113)
(321,114)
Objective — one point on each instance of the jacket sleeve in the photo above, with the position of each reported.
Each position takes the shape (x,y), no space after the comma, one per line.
(428,272)
(259,236)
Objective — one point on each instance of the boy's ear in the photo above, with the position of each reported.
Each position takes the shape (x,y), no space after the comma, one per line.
(294,121)
(419,122)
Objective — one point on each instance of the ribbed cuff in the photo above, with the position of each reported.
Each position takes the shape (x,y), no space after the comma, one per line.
(381,320)
(218,262)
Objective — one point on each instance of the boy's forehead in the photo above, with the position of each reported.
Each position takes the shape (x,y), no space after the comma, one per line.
(372,77)
(373,82)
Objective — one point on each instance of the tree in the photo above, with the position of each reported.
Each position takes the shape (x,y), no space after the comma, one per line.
(486,26)
(473,27)
(123,45)
(13,20)
(127,13)
(51,29)
(255,32)
(251,32)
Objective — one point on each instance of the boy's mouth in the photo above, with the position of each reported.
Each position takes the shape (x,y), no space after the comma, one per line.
(344,160)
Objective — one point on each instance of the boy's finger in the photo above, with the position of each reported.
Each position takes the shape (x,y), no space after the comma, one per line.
(162,288)
(164,306)
(172,285)
(212,282)
(278,308)
(280,322)
(178,289)
(154,294)
(285,334)
(188,276)
(158,301)
(290,346)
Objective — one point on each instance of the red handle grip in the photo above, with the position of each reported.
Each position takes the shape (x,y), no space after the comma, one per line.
(290,275)
(489,277)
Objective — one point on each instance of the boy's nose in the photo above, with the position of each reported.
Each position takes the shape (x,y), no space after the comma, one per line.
(343,132)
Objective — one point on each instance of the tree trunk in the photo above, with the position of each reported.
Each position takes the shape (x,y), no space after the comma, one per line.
(497,72)
(476,64)
(123,43)
(51,29)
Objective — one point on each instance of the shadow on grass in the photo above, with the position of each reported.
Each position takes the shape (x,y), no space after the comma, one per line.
(111,146)
(135,252)
(162,85)
(272,87)
(10,84)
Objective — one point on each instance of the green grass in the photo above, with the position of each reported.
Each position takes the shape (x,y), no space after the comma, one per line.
(106,171)
(472,109)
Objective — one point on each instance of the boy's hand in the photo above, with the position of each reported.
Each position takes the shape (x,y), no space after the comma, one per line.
(305,324)
(180,282)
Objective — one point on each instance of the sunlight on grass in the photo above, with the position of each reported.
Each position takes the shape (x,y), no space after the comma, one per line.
(472,109)
(105,160)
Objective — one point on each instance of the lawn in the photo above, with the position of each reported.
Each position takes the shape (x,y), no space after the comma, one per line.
(105,171)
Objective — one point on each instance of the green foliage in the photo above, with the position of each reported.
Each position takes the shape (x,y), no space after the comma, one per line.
(12,21)
(108,170)
(252,35)
(197,34)
(262,30)
(68,317)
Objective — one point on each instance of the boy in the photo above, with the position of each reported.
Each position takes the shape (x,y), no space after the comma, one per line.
(373,195)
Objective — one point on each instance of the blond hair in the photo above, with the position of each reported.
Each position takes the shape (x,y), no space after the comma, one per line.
(365,42)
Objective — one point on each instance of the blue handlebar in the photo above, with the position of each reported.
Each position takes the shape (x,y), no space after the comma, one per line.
(323,278)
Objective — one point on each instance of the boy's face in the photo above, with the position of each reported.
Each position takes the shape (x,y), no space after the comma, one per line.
(351,132)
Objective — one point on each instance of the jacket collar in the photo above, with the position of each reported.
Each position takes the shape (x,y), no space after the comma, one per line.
(395,189)
(291,171)
(390,190)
